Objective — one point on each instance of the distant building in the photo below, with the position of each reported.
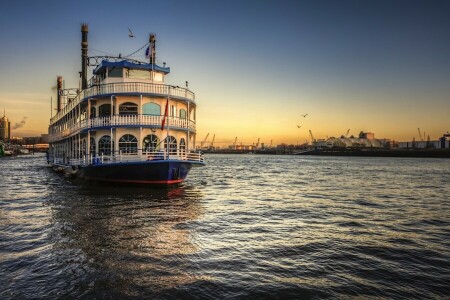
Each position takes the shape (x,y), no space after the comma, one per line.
(367,135)
(5,128)
(442,143)
(43,139)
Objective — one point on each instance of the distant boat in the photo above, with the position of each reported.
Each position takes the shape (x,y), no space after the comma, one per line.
(8,152)
(125,125)
(300,152)
(24,151)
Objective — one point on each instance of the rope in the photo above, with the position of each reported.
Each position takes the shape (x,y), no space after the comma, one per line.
(101,51)
(137,50)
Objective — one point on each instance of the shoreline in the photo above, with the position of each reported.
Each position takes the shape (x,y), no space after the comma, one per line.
(419,153)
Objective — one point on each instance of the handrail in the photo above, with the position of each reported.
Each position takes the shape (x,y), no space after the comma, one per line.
(122,120)
(123,87)
(118,156)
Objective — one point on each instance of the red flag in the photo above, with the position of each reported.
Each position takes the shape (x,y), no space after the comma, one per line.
(165,115)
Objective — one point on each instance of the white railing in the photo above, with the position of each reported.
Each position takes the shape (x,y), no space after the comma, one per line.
(123,87)
(119,157)
(122,120)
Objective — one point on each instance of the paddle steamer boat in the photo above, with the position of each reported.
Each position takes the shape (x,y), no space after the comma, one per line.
(124,124)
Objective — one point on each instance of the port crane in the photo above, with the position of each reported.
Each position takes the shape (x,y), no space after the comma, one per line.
(348,131)
(234,144)
(420,135)
(257,143)
(312,137)
(212,142)
(204,141)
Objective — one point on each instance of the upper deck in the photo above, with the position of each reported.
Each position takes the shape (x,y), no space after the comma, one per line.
(116,76)
(122,88)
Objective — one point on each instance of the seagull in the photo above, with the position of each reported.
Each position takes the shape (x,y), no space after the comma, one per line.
(299,126)
(130,34)
(304,116)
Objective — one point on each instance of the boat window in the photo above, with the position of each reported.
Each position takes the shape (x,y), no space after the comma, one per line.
(104,110)
(115,72)
(183,113)
(139,74)
(83,114)
(92,146)
(182,145)
(128,108)
(93,112)
(150,143)
(128,144)
(83,148)
(104,145)
(151,109)
(157,76)
(172,143)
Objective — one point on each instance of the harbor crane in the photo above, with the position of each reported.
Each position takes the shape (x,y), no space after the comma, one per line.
(203,142)
(420,135)
(312,137)
(234,144)
(212,141)
(347,132)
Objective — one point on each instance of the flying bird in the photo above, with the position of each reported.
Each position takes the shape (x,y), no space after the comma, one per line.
(299,126)
(130,33)
(304,116)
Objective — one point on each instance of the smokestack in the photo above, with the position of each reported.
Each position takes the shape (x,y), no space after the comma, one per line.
(58,92)
(152,46)
(84,55)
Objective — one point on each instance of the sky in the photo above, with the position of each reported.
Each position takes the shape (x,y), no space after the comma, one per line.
(255,66)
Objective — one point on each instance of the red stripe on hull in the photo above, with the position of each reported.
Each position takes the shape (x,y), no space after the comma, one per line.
(138,181)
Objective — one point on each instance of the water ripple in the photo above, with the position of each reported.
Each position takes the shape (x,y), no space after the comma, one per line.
(248,226)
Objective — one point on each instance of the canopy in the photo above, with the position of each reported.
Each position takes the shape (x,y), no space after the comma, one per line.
(129,65)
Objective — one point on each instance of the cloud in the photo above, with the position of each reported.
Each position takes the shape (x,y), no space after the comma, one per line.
(20,125)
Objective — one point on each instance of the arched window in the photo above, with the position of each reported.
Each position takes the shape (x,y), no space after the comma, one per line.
(104,110)
(128,144)
(104,145)
(93,113)
(172,143)
(150,143)
(128,108)
(182,145)
(151,109)
(183,114)
(92,146)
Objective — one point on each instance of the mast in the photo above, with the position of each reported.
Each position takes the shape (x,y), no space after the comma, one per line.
(58,93)
(152,52)
(84,55)
(152,46)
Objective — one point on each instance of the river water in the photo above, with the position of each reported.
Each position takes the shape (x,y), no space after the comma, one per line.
(244,226)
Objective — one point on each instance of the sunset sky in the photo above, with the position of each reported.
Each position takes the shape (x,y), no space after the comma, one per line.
(255,66)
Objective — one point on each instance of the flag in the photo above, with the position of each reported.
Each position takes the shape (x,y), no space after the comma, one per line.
(165,114)
(146,52)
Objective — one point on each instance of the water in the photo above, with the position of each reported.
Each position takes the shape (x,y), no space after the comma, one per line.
(246,226)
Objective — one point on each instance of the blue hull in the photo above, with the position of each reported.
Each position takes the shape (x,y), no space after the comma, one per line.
(147,172)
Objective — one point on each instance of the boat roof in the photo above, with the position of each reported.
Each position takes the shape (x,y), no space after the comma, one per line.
(129,65)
